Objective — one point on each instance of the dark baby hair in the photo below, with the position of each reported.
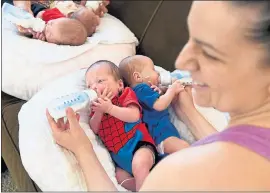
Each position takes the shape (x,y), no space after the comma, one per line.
(113,68)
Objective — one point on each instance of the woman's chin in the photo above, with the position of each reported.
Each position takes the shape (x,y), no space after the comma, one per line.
(203,100)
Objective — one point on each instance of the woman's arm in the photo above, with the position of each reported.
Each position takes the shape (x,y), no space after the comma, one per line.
(75,140)
(95,175)
(26,5)
(186,111)
(214,167)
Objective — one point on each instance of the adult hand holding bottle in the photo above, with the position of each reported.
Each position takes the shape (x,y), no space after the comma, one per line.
(25,5)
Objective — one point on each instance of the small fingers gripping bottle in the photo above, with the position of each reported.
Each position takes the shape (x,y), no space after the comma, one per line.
(77,101)
(166,78)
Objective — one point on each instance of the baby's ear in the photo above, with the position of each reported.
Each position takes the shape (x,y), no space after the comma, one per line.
(122,84)
(137,77)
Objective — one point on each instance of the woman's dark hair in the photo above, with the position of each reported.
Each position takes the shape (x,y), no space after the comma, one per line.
(260,31)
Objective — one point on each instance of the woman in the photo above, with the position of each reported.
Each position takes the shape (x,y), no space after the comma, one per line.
(227,55)
(34,7)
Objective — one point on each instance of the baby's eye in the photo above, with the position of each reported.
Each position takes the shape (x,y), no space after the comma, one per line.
(100,81)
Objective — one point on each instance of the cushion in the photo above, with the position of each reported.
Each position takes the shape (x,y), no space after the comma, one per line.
(29,64)
(49,165)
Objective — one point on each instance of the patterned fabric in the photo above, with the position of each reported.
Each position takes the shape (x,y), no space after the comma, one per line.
(45,3)
(114,133)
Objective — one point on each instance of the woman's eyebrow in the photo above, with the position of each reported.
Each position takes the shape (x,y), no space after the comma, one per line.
(208,46)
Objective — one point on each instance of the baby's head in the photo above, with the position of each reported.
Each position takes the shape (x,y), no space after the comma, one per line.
(88,18)
(65,31)
(104,74)
(138,69)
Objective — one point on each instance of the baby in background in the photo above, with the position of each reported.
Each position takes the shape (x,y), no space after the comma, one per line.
(84,14)
(68,31)
(116,119)
(139,73)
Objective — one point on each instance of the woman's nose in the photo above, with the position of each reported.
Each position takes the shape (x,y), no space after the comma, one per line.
(186,59)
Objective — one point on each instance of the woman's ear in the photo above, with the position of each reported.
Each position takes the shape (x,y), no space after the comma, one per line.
(137,77)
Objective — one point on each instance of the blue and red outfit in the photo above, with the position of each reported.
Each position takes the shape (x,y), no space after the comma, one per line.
(158,122)
(124,139)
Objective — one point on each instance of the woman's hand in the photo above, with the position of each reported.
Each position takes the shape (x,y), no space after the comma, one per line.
(183,102)
(69,135)
(25,5)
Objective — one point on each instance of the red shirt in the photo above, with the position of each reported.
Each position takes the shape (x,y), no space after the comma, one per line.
(51,14)
(115,133)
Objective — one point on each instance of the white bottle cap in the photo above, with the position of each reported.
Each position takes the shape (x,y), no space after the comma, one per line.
(165,78)
(91,94)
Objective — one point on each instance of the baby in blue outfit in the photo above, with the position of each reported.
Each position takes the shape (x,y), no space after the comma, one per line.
(139,73)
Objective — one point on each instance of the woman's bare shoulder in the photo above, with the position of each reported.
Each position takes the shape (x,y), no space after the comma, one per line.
(216,166)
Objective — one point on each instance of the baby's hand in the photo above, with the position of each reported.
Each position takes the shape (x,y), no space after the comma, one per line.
(101,10)
(176,87)
(105,94)
(102,105)
(39,36)
(156,88)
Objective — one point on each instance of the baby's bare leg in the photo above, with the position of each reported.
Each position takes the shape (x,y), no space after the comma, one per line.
(174,144)
(142,162)
(125,179)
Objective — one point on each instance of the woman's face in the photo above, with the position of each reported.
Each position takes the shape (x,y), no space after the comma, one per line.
(226,67)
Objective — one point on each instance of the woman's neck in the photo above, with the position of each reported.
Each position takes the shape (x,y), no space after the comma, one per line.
(259,117)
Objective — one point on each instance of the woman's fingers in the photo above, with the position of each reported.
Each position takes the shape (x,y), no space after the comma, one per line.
(51,121)
(72,118)
(60,123)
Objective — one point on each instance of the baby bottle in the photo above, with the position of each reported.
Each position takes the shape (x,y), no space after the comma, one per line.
(76,101)
(166,78)
(21,17)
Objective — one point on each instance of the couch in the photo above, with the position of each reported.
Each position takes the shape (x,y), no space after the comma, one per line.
(161,29)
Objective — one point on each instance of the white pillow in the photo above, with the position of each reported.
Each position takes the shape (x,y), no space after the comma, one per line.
(28,64)
(51,167)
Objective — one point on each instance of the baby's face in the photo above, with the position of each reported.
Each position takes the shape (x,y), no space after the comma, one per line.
(52,30)
(99,77)
(148,73)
